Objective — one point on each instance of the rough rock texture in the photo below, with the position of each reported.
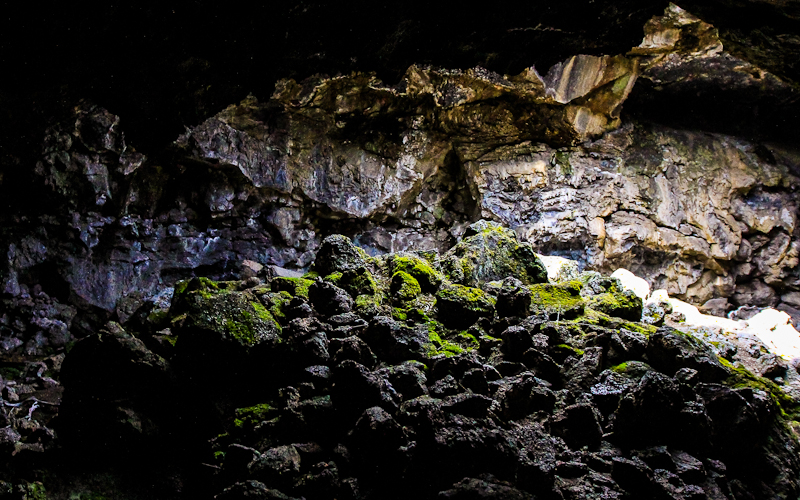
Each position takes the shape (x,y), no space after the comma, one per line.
(163,252)
(524,406)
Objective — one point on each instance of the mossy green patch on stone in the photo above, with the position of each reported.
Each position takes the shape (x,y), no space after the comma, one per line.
(741,377)
(298,287)
(562,301)
(237,316)
(358,281)
(429,279)
(460,306)
(333,278)
(276,303)
(252,415)
(597,318)
(404,287)
(625,305)
(491,252)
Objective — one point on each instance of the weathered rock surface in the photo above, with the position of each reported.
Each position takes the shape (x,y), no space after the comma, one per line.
(100,235)
(413,406)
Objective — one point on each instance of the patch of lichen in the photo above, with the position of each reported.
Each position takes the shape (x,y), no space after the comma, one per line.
(404,287)
(297,287)
(429,279)
(562,301)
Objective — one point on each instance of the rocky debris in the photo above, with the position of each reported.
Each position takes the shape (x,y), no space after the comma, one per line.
(578,404)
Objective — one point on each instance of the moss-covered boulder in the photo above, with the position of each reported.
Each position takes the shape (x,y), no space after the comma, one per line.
(621,304)
(358,281)
(202,305)
(461,306)
(492,253)
(337,253)
(297,287)
(429,278)
(404,287)
(561,301)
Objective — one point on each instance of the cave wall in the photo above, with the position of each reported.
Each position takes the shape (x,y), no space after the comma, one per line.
(407,165)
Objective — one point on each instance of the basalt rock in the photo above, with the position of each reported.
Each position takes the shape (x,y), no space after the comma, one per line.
(411,406)
(228,327)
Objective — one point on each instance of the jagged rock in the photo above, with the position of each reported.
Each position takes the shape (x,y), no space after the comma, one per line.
(460,305)
(471,488)
(513,298)
(329,299)
(337,254)
(656,312)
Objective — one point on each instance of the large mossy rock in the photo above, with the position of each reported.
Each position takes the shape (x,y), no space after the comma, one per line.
(221,331)
(461,306)
(557,301)
(229,315)
(490,252)
(428,277)
(621,304)
(337,254)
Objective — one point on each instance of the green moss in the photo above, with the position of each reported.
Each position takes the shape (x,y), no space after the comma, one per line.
(9,373)
(404,287)
(741,377)
(620,368)
(562,301)
(569,349)
(276,304)
(399,314)
(33,491)
(561,159)
(158,317)
(333,278)
(622,305)
(469,338)
(358,281)
(428,278)
(439,343)
(492,253)
(202,285)
(597,318)
(247,418)
(460,306)
(297,287)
